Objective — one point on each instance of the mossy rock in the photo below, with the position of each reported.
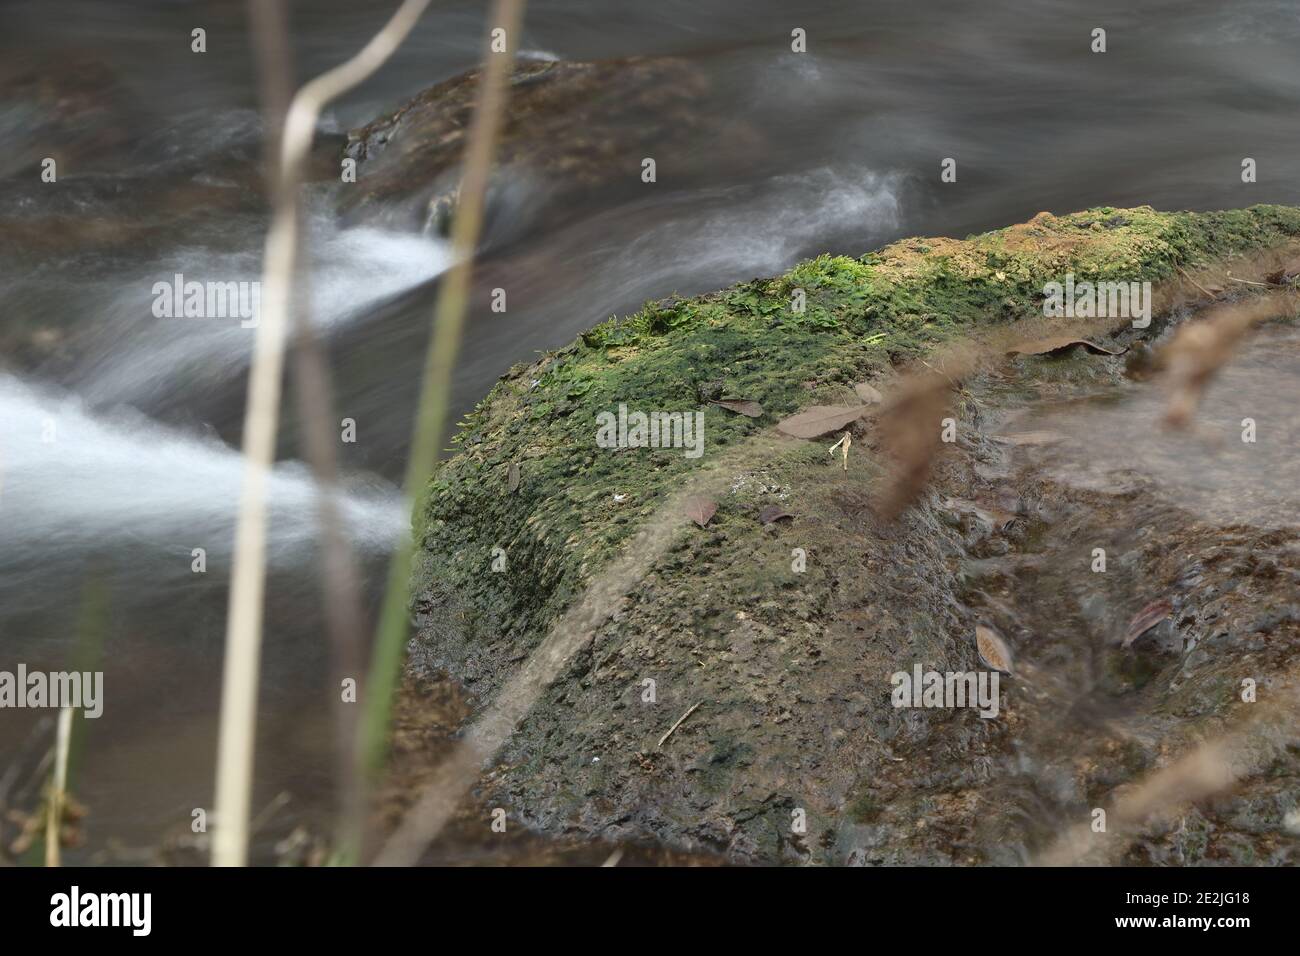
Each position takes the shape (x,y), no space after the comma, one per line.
(785,664)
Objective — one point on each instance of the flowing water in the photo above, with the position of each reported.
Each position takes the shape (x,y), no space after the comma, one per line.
(118,434)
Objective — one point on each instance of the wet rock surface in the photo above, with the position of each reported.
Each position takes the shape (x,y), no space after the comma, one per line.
(72,112)
(569,128)
(783,675)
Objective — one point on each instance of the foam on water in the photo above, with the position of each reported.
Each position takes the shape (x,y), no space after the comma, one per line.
(71,481)
(351,270)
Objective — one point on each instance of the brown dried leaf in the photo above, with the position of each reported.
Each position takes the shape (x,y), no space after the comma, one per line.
(741,406)
(1147,618)
(868,394)
(820,420)
(700,509)
(1056,344)
(512,477)
(773,513)
(994,651)
(1287,274)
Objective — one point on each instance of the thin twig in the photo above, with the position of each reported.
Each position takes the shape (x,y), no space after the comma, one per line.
(1204,290)
(939,371)
(435,392)
(248,577)
(54,822)
(340,577)
(494,726)
(680,720)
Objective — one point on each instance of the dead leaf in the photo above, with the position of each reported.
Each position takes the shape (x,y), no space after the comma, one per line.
(994,651)
(1056,344)
(1147,618)
(700,509)
(821,420)
(513,477)
(773,513)
(845,441)
(1287,274)
(868,394)
(741,406)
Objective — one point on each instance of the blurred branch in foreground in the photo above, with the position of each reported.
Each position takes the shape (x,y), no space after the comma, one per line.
(244,621)
(1200,348)
(435,392)
(58,788)
(340,577)
(1209,768)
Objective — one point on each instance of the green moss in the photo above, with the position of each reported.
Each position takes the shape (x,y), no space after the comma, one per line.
(576,503)
(866,807)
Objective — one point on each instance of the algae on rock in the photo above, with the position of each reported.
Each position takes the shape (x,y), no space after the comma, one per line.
(786,663)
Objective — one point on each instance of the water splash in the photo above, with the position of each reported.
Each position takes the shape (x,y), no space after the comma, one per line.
(72,482)
(351,271)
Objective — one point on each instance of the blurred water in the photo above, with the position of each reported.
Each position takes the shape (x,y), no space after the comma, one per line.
(852,134)
(1207,469)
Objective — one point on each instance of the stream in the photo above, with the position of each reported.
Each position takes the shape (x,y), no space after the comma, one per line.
(119,429)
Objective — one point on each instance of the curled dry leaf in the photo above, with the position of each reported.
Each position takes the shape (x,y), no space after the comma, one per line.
(994,651)
(741,406)
(1200,349)
(845,441)
(773,513)
(1057,344)
(821,420)
(700,509)
(1147,618)
(512,477)
(868,394)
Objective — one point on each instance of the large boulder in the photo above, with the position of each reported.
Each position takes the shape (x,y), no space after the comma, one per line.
(779,638)
(569,128)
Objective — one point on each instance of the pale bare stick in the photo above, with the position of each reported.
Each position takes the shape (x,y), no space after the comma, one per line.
(340,576)
(54,822)
(440,360)
(247,586)
(1204,290)
(680,721)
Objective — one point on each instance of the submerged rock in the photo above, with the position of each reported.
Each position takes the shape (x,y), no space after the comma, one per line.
(780,641)
(74,111)
(569,128)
